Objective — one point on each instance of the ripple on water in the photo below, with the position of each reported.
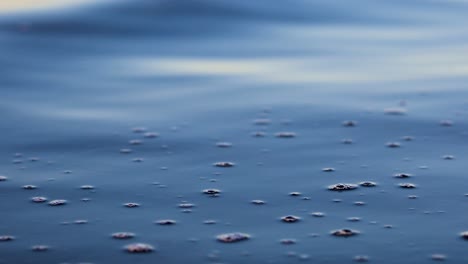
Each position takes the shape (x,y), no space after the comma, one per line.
(29,187)
(349,123)
(3,178)
(212,192)
(368,184)
(290,219)
(39,199)
(5,238)
(232,237)
(407,185)
(131,205)
(224,164)
(402,175)
(285,134)
(166,222)
(40,248)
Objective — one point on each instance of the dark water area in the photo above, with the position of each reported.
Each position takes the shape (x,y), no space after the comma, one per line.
(83,85)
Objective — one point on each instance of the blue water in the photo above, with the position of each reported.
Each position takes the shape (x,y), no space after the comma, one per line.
(75,81)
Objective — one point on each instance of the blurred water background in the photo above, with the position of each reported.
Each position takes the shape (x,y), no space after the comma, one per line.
(75,79)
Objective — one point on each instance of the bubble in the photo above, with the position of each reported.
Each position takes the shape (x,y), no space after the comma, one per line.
(139,129)
(209,222)
(290,219)
(395,111)
(57,202)
(295,194)
(403,175)
(166,222)
(342,187)
(80,222)
(412,196)
(38,199)
(361,258)
(131,205)
(359,203)
(258,202)
(87,187)
(34,159)
(139,248)
(125,151)
(138,160)
(224,144)
(393,144)
(438,257)
(407,185)
(328,169)
(135,142)
(448,157)
(288,241)
(262,121)
(349,123)
(29,187)
(446,123)
(388,226)
(5,238)
(347,141)
(3,178)
(186,205)
(353,219)
(123,235)
(344,232)
(285,134)
(368,184)
(151,135)
(232,237)
(464,235)
(212,192)
(40,248)
(224,164)
(317,214)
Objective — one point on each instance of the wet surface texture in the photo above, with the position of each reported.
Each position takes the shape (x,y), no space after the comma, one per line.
(303,131)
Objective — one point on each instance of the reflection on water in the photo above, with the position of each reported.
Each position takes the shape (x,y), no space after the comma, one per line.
(228,118)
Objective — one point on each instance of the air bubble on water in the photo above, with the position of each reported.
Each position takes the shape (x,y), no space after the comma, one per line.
(131,205)
(359,203)
(87,187)
(328,169)
(353,219)
(165,222)
(438,257)
(232,237)
(342,187)
(34,159)
(210,222)
(5,238)
(139,129)
(259,134)
(212,192)
(288,241)
(29,187)
(349,123)
(446,123)
(361,258)
(408,138)
(186,205)
(40,248)
(448,157)
(123,235)
(262,121)
(347,141)
(151,135)
(138,160)
(317,214)
(403,175)
(135,142)
(38,199)
(395,111)
(368,184)
(412,196)
(393,144)
(3,178)
(258,202)
(58,202)
(139,248)
(224,164)
(295,194)
(224,144)
(285,134)
(80,222)
(290,219)
(125,151)
(17,161)
(345,232)
(464,235)
(407,185)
